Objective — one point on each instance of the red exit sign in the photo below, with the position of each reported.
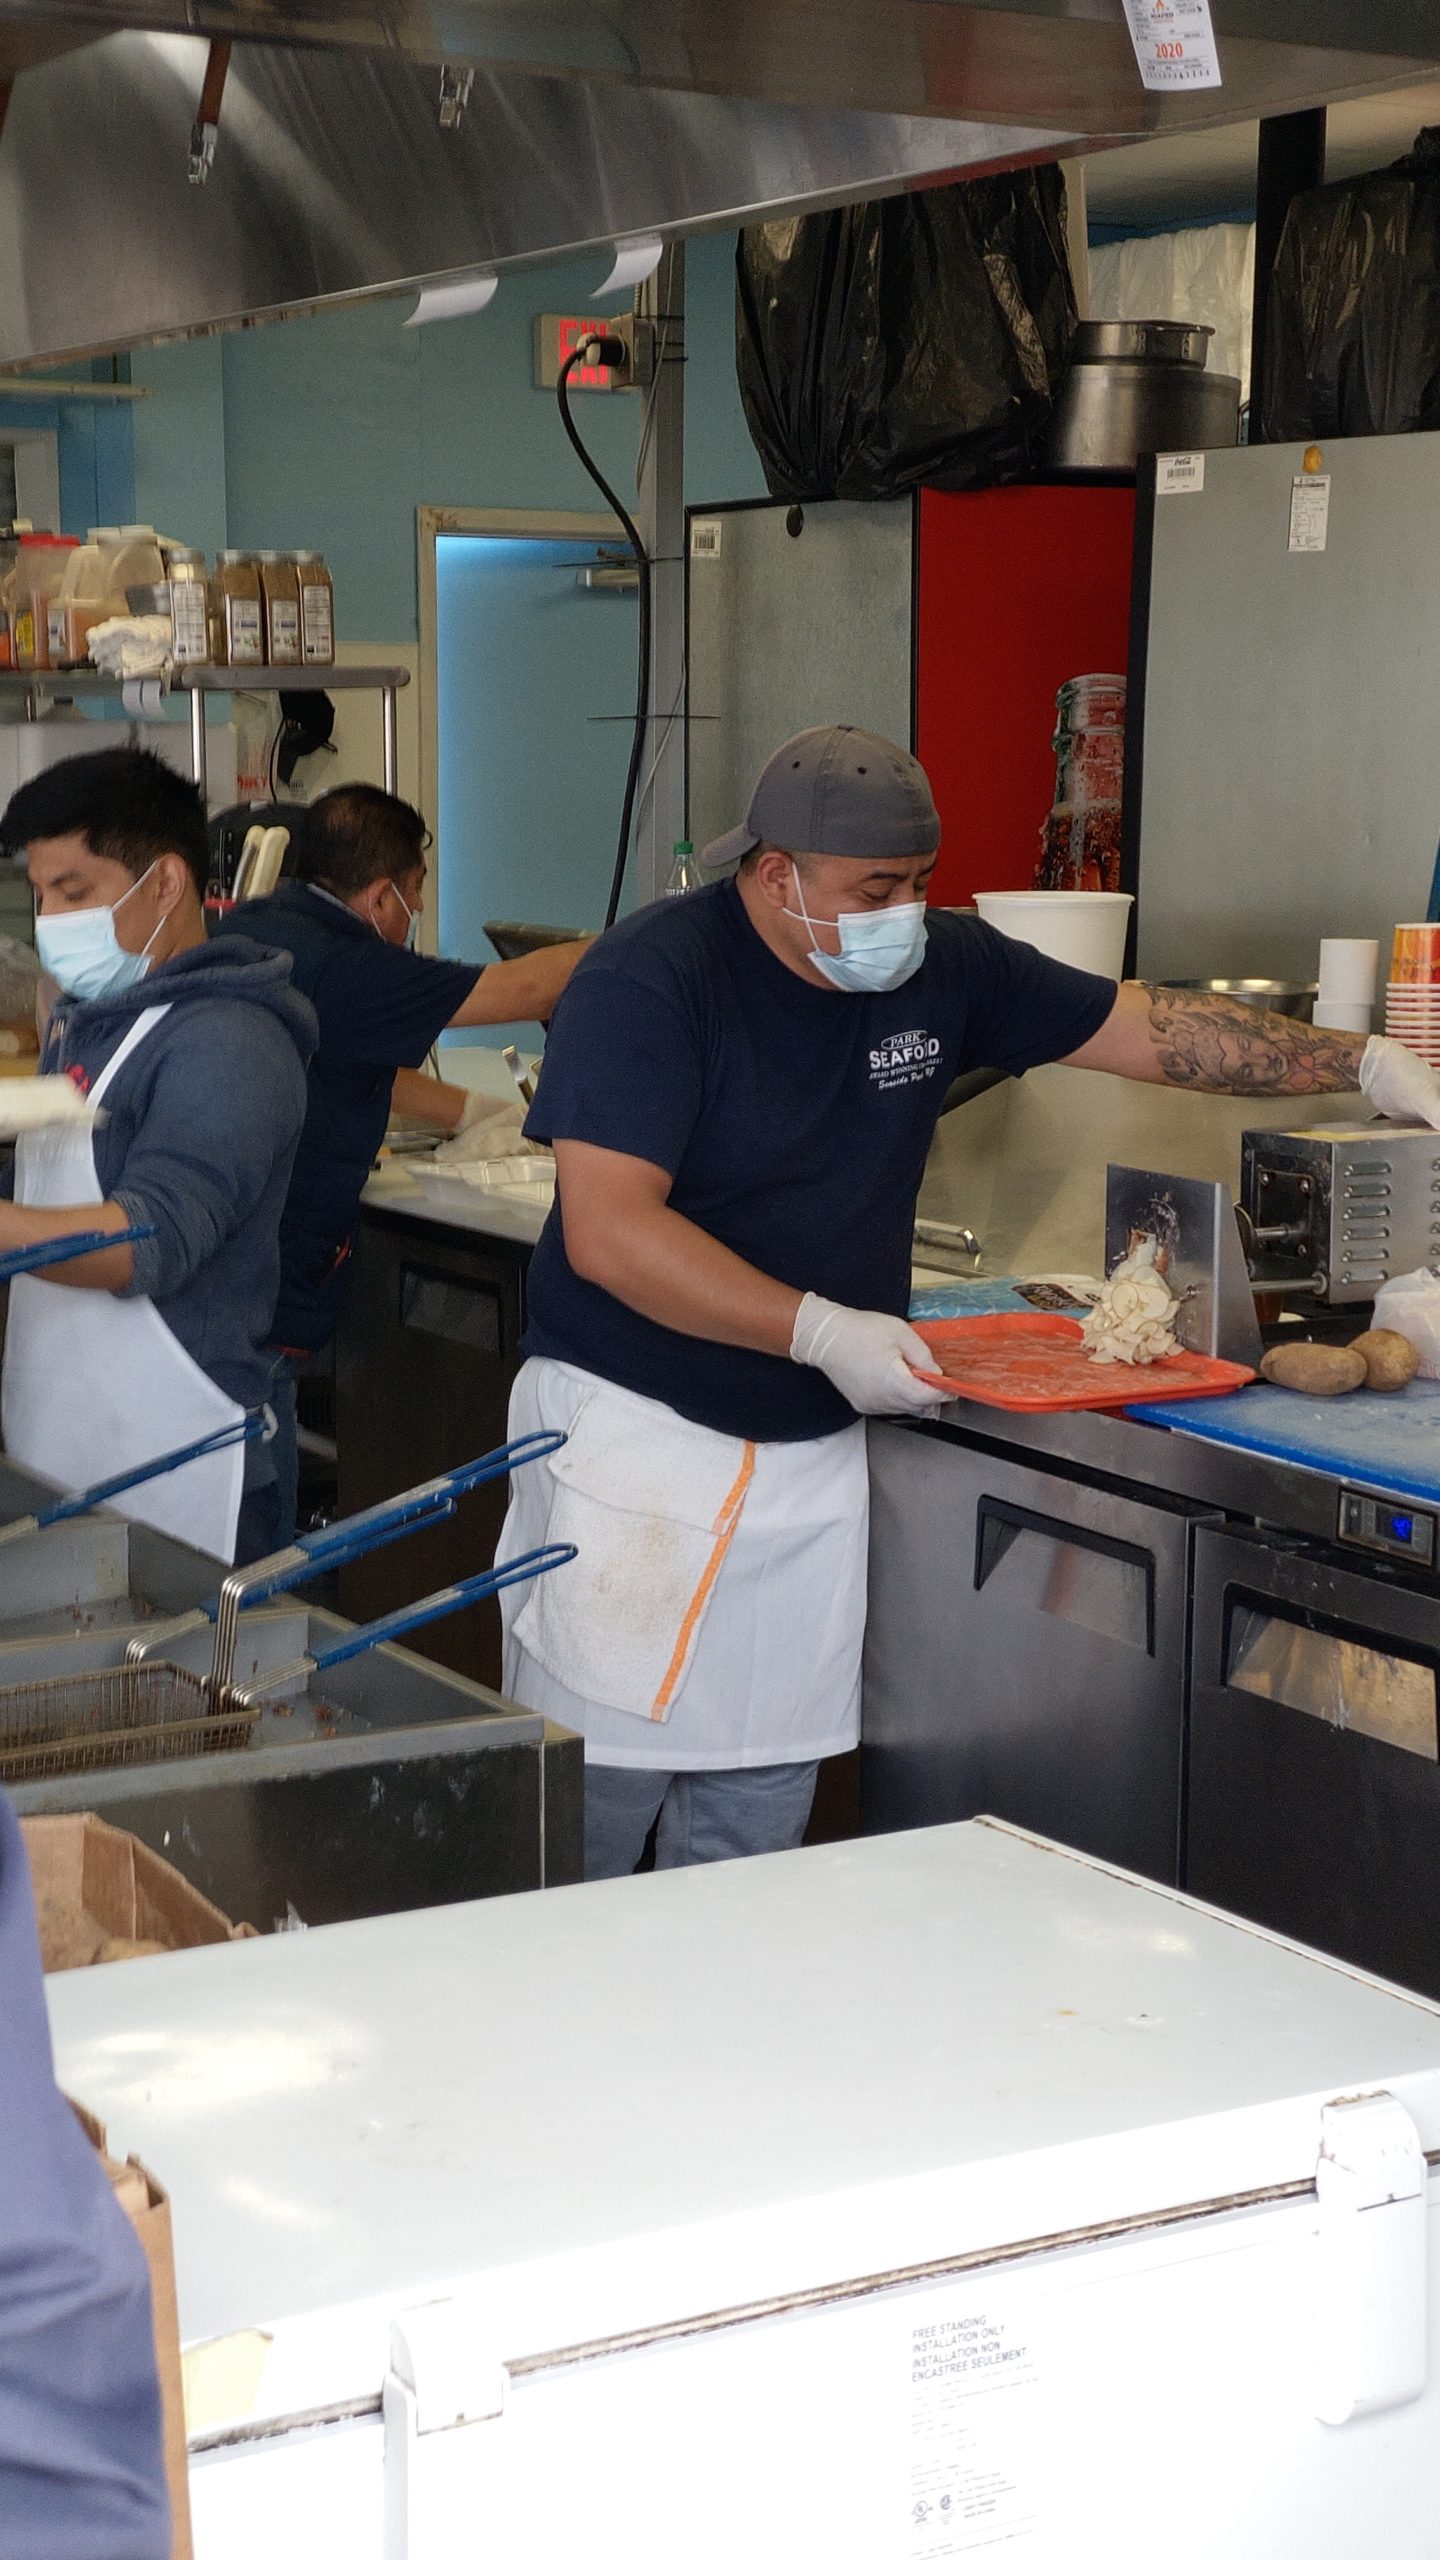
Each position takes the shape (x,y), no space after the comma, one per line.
(555,339)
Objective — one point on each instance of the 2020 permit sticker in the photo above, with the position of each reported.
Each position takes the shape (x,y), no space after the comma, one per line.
(1174,43)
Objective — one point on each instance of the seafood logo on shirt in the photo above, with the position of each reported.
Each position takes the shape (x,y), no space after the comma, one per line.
(905,1057)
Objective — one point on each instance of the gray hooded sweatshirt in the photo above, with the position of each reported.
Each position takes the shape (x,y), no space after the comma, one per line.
(197,1140)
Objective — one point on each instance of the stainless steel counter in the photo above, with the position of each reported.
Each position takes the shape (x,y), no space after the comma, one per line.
(1160,1650)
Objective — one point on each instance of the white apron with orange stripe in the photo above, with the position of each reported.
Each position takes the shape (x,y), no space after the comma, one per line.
(715,1613)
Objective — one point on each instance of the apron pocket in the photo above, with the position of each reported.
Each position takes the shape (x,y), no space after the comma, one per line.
(651,1503)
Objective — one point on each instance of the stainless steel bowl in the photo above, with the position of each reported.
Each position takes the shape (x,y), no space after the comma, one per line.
(1141,342)
(1268,995)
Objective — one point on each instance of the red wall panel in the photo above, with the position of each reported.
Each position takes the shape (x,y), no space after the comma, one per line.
(1019,589)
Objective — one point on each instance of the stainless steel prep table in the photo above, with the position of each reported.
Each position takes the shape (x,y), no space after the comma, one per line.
(1066,1616)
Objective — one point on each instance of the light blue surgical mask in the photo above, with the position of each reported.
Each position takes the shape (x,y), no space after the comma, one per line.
(880,947)
(83,954)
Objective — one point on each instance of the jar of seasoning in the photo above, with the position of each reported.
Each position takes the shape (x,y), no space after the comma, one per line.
(39,576)
(317,609)
(189,618)
(280,590)
(239,626)
(1080,840)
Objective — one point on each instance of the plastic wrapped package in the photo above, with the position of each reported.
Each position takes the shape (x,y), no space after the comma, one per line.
(1353,323)
(1410,1305)
(914,343)
(1204,275)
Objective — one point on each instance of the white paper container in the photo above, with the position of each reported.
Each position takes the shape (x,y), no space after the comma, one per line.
(1087,927)
(1349,974)
(1340,1017)
(527,1179)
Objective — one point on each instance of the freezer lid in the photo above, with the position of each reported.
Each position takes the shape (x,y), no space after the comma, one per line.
(617,2104)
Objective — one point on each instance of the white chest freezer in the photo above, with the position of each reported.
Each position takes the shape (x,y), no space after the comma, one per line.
(927,2195)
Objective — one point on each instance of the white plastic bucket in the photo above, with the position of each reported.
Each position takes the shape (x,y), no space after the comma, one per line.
(1087,927)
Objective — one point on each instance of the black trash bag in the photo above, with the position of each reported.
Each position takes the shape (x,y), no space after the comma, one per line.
(914,343)
(1352,327)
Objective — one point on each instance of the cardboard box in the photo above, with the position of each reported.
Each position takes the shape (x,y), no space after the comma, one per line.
(100,1893)
(148,2209)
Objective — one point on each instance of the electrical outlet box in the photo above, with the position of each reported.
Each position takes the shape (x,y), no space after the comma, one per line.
(557,337)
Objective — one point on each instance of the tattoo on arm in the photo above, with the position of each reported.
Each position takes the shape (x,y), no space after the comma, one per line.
(1215,1044)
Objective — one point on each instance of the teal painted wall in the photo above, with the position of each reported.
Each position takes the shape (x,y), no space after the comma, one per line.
(331,429)
(95,452)
(720,460)
(179,441)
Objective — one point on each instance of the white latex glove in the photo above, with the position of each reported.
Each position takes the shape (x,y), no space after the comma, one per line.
(481,1107)
(486,1128)
(1400,1085)
(865,1355)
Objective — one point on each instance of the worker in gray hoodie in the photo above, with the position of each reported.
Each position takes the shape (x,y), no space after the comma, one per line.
(195,1054)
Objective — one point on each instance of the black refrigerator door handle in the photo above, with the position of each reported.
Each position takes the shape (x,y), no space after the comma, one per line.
(1102,1583)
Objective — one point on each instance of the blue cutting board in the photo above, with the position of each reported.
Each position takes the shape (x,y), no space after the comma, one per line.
(1392,1442)
(969,1298)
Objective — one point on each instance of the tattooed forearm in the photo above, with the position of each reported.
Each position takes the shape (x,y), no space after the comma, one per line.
(1214,1044)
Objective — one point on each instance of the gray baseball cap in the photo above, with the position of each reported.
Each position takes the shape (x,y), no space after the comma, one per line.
(841,791)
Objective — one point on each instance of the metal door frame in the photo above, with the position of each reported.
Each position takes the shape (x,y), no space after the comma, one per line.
(482,524)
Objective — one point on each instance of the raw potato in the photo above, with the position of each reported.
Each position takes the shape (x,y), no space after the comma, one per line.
(1314,1369)
(1390,1361)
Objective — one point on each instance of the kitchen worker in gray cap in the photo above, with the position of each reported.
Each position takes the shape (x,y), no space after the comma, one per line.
(741,1087)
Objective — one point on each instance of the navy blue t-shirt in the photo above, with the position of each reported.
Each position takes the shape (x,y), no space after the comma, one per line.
(795,1121)
(380,1007)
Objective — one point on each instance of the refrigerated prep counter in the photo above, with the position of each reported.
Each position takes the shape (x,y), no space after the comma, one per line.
(425,1359)
(1202,1660)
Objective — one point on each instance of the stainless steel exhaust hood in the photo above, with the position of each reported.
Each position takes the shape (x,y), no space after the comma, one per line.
(587,119)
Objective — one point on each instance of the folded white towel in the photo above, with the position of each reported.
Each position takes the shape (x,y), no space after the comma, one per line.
(652,1504)
(135,644)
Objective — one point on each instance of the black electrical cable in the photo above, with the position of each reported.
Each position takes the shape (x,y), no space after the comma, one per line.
(592,351)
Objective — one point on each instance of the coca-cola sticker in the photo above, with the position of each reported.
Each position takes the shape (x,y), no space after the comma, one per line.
(1174,43)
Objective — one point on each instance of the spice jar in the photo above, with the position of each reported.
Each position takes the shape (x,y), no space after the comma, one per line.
(1080,840)
(317,609)
(238,634)
(39,576)
(280,591)
(189,619)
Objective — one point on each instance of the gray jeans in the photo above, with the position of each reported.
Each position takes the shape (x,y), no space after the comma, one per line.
(704,1814)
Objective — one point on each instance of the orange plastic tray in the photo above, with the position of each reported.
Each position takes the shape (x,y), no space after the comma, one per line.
(1039,1364)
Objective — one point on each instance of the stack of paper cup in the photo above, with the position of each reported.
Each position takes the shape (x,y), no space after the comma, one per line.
(1412,999)
(1348,972)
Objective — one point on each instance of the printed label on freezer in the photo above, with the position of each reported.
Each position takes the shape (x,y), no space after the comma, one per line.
(1310,511)
(1178,475)
(1174,43)
(705,534)
(973,2436)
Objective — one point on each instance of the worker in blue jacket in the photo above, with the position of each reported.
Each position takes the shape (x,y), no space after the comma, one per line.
(195,1053)
(82,2472)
